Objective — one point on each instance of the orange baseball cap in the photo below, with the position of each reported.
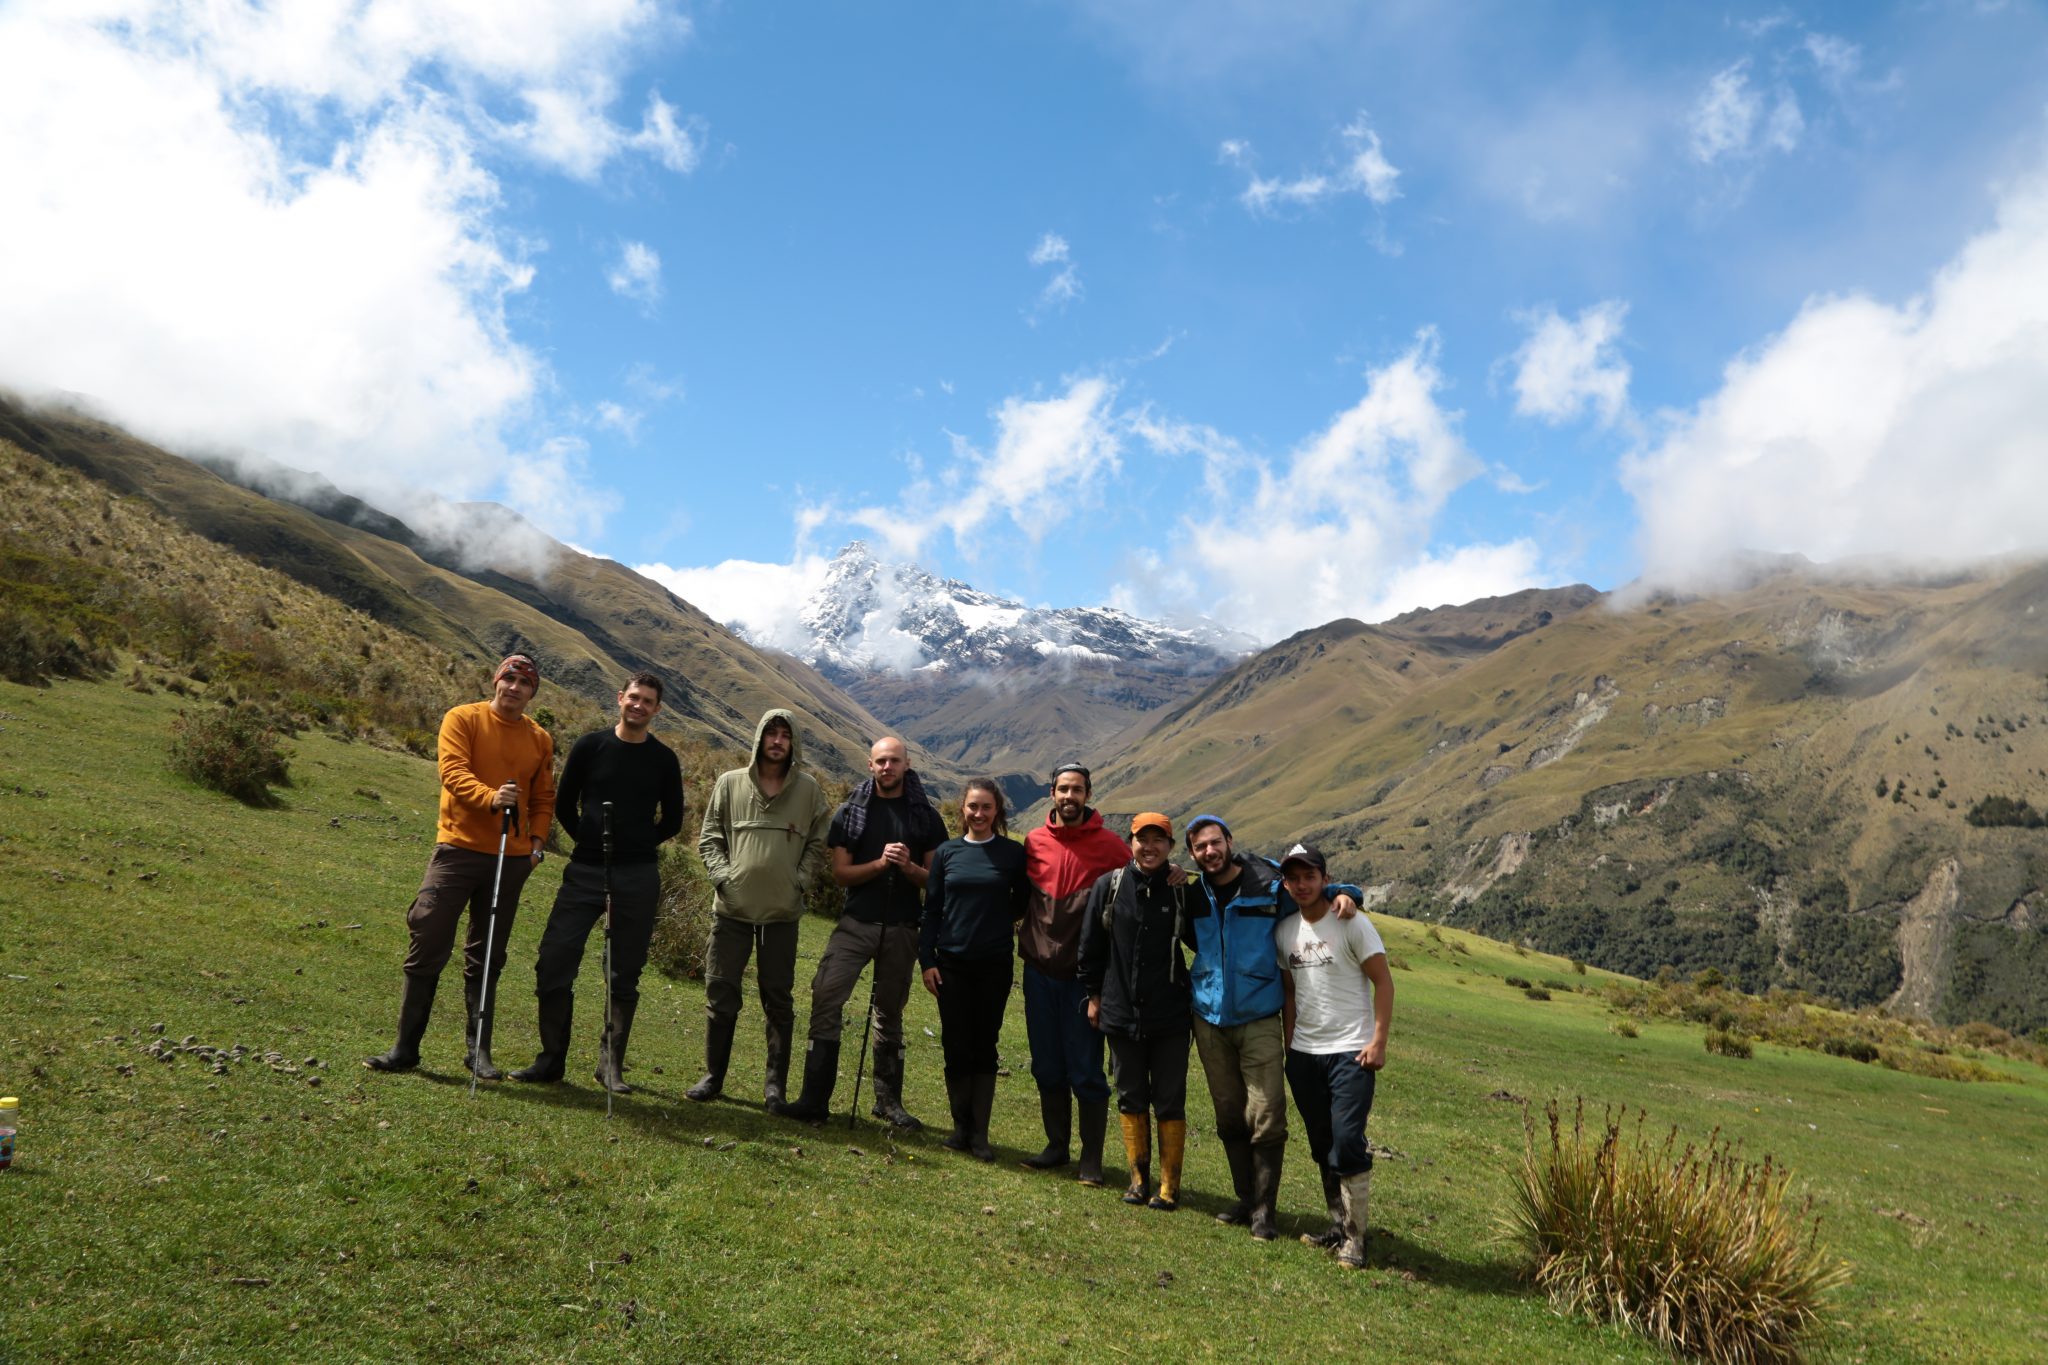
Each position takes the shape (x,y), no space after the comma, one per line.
(1151,819)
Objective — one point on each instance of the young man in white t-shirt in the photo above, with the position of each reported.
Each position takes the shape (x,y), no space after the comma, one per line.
(1339,1005)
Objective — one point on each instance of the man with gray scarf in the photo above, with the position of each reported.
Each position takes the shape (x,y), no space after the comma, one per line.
(881,844)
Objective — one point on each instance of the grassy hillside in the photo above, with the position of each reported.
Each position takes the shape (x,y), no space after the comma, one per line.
(305,1208)
(588,621)
(1809,746)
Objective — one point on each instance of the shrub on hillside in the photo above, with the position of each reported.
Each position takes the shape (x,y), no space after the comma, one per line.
(1624,1028)
(2004,811)
(1940,1066)
(1520,983)
(1536,993)
(1699,1251)
(236,749)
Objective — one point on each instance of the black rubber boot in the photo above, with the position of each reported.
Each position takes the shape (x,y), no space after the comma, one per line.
(1056,1108)
(611,1048)
(889,1089)
(960,1101)
(1333,1197)
(415,1004)
(478,1057)
(556,1008)
(776,1088)
(982,1103)
(1094,1126)
(821,1074)
(1266,1164)
(717,1056)
(1238,1152)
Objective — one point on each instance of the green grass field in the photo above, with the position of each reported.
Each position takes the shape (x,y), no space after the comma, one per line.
(313,1210)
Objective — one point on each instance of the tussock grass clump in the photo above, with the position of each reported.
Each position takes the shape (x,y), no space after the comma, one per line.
(1724,1043)
(236,750)
(1699,1251)
(1624,1028)
(682,924)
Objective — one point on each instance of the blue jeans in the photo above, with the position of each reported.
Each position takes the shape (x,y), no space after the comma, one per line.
(1066,1050)
(1334,1094)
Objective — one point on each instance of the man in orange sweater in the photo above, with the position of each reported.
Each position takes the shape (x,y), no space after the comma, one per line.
(494,760)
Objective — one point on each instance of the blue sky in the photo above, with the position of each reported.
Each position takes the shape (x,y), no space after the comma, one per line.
(1274,312)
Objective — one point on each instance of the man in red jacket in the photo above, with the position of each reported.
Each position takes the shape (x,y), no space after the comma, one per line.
(1063,857)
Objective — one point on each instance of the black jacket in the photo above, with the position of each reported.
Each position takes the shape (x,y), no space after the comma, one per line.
(1131,953)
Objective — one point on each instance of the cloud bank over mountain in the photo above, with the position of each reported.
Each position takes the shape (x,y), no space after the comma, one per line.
(278,230)
(1915,430)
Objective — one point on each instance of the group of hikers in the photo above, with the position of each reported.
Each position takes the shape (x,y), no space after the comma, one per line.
(1273,970)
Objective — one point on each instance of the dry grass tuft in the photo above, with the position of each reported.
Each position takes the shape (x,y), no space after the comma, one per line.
(1697,1250)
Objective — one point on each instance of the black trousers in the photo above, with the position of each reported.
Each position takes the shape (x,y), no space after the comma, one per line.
(1151,1073)
(973,996)
(579,906)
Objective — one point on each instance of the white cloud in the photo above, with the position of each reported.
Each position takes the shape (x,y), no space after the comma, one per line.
(1051,248)
(1361,169)
(643,381)
(1724,120)
(1343,526)
(552,487)
(1508,481)
(636,274)
(273,228)
(766,601)
(1786,125)
(1368,171)
(1912,430)
(1464,574)
(1564,367)
(1837,59)
(1064,287)
(620,418)
(1050,457)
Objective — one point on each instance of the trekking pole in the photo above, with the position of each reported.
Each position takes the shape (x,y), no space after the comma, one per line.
(490,941)
(610,1041)
(866,1027)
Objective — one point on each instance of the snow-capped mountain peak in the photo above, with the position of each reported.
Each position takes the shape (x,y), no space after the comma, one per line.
(869,615)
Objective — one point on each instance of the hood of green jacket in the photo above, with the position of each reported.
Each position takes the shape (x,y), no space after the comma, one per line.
(796,740)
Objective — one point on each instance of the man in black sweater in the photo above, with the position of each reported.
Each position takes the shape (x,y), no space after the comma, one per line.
(639,777)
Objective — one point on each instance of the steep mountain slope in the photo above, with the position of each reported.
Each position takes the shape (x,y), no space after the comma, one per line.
(990,684)
(589,621)
(1774,782)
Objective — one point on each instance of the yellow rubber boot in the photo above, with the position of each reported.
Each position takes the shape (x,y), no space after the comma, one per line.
(1138,1151)
(1173,1146)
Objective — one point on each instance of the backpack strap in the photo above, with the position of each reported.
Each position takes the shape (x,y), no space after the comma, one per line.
(1116,886)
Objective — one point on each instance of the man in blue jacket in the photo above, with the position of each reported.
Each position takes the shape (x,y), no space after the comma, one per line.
(1237,1000)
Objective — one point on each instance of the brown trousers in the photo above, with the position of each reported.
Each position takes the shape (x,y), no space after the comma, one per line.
(459,877)
(1247,1070)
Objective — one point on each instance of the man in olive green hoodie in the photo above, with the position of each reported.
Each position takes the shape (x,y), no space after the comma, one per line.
(763,836)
